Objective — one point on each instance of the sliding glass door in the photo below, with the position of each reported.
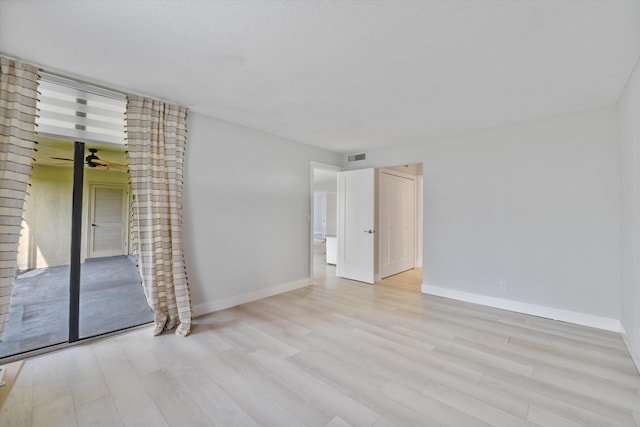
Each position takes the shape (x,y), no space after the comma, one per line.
(76,275)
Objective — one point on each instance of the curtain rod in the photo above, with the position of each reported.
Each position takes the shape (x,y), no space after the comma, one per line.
(82,80)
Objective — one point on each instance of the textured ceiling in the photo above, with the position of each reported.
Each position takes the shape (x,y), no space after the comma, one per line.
(344,75)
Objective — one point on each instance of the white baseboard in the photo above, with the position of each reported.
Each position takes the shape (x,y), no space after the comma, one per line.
(600,322)
(634,350)
(221,304)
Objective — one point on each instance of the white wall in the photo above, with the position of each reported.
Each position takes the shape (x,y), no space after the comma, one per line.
(246,211)
(45,240)
(535,204)
(629,109)
(318,215)
(331,213)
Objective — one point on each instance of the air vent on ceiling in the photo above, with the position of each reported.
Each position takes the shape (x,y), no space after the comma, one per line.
(356,157)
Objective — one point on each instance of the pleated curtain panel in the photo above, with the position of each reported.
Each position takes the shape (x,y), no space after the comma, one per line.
(156,140)
(18,98)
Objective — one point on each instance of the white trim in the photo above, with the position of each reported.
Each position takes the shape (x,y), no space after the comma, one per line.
(396,173)
(633,350)
(600,322)
(221,304)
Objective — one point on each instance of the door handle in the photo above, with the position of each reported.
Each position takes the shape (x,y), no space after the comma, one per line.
(93,225)
(369,231)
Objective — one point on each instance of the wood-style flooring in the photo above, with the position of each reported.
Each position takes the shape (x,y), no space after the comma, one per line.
(339,353)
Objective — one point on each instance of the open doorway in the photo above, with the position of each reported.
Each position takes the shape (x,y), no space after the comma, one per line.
(398,236)
(399,222)
(324,185)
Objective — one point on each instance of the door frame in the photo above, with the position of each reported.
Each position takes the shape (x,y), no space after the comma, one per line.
(419,210)
(125,214)
(312,167)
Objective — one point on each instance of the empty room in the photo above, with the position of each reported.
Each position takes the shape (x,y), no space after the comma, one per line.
(319,213)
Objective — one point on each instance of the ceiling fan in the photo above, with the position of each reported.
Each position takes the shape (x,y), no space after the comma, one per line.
(93,161)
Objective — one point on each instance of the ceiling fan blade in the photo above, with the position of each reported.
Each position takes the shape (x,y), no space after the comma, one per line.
(119,167)
(62,158)
(115,165)
(93,161)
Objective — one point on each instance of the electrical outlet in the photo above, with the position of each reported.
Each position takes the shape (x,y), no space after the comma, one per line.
(502,286)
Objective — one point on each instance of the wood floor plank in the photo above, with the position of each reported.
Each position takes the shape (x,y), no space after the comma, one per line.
(17,408)
(579,408)
(144,415)
(543,418)
(138,354)
(338,422)
(434,409)
(361,389)
(59,412)
(535,357)
(383,422)
(332,401)
(98,412)
(52,378)
(339,353)
(129,394)
(475,406)
(89,383)
(173,400)
(259,406)
(598,389)
(277,389)
(251,338)
(213,401)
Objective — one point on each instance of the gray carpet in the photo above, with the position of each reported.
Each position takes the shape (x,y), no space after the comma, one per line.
(111,298)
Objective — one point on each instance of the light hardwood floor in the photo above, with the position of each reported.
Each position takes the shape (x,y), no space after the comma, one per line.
(339,353)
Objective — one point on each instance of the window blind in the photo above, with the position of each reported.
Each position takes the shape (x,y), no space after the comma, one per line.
(80,112)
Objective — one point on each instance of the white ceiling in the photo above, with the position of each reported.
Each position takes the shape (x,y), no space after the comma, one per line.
(344,75)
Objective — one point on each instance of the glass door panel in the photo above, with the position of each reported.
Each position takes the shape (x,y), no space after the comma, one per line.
(39,305)
(111,294)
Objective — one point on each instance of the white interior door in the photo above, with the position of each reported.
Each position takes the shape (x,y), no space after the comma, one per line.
(108,221)
(397,222)
(356,238)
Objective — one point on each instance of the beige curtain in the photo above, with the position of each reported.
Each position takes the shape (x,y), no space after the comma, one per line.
(156,140)
(18,97)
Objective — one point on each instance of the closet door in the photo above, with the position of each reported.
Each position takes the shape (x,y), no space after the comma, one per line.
(397,222)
